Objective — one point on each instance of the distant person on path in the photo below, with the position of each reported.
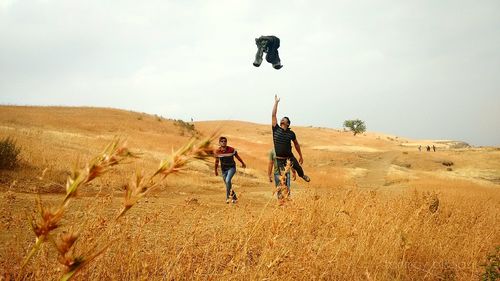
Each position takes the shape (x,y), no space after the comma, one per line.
(273,169)
(434,148)
(225,155)
(282,139)
(428,148)
(419,148)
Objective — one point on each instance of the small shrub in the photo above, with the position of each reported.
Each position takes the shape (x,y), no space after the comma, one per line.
(9,153)
(448,273)
(492,266)
(433,203)
(185,127)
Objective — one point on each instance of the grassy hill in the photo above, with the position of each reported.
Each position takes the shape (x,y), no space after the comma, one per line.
(369,211)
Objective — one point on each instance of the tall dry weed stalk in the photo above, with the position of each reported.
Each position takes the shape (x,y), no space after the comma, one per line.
(116,153)
(176,163)
(282,188)
(50,217)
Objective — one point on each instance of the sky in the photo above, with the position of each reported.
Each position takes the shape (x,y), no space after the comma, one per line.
(417,69)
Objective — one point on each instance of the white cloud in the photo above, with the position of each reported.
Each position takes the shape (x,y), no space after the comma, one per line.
(392,63)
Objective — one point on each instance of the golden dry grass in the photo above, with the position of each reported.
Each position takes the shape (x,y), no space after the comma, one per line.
(391,222)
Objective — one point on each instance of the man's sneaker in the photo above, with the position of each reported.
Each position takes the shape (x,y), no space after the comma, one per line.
(234,201)
(306,178)
(233,195)
(258,58)
(257,62)
(259,54)
(277,66)
(227,201)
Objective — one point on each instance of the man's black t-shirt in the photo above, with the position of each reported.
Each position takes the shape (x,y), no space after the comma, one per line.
(283,141)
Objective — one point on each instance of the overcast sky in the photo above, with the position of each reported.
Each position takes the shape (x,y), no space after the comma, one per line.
(419,69)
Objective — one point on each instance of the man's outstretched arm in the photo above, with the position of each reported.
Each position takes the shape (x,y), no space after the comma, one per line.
(275,110)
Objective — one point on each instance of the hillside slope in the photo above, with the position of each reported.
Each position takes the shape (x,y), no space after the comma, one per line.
(55,137)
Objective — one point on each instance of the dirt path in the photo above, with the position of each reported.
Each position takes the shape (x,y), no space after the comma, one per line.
(377,169)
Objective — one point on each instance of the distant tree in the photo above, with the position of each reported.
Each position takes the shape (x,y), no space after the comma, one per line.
(356,126)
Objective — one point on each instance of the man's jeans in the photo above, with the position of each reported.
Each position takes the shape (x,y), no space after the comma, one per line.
(295,165)
(277,183)
(226,177)
(269,45)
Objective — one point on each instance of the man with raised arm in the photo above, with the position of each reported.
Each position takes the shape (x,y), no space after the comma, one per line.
(283,138)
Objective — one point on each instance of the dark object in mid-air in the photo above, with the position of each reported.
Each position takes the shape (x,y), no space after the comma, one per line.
(268,45)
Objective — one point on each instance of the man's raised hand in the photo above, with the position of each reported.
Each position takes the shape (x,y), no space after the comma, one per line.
(276,99)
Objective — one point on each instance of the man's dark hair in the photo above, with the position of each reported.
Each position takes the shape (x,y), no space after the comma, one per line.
(288,119)
(222,138)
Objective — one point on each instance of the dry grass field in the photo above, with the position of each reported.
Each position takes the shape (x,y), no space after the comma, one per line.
(376,208)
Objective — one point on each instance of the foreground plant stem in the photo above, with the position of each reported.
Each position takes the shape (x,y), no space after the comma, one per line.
(115,153)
